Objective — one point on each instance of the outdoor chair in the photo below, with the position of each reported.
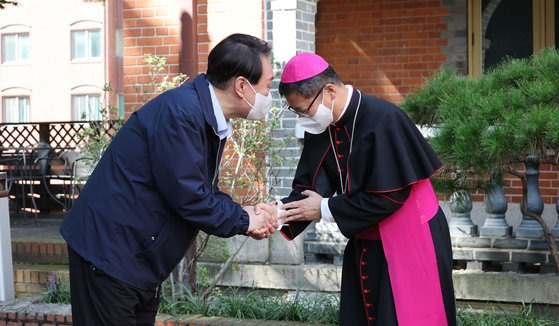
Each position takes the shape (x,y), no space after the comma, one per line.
(71,176)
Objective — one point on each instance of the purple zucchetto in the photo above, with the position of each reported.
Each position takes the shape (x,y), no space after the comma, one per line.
(303,66)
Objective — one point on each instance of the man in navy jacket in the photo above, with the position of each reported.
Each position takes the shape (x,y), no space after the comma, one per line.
(156,186)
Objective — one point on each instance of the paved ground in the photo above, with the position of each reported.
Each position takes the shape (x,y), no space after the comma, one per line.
(45,227)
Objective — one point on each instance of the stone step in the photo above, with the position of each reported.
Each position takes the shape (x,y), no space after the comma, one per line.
(33,278)
(39,251)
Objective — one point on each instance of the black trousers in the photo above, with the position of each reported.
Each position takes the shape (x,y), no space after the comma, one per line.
(99,299)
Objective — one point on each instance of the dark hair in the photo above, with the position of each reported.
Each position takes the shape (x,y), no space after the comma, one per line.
(236,55)
(311,86)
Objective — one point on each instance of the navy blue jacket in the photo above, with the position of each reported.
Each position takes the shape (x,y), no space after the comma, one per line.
(153,189)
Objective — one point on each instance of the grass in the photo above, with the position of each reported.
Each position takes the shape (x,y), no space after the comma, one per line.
(258,304)
(313,308)
(526,316)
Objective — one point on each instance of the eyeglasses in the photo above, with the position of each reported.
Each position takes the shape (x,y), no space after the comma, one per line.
(305,112)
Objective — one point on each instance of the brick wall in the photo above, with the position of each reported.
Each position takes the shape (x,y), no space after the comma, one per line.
(549,185)
(387,48)
(384,47)
(149,26)
(34,319)
(216,19)
(159,27)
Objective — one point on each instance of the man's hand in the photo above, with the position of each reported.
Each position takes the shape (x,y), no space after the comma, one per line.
(307,209)
(263,220)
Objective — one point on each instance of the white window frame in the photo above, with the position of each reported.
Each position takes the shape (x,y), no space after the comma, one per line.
(89,111)
(88,47)
(18,59)
(26,113)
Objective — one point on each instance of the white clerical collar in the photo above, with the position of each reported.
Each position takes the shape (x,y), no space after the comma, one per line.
(224,128)
(349,94)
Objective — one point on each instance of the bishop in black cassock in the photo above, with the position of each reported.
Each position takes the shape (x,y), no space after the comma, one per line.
(366,167)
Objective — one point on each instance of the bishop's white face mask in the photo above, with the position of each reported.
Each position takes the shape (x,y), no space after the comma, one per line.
(262,104)
(320,120)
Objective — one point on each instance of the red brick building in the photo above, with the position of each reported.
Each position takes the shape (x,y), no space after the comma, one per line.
(384,47)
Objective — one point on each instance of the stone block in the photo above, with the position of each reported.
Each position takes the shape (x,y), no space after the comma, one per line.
(463,230)
(338,260)
(538,245)
(495,231)
(319,277)
(286,252)
(471,242)
(257,251)
(220,249)
(216,250)
(476,265)
(328,248)
(511,267)
(506,287)
(510,243)
(491,255)
(529,229)
(548,268)
(462,254)
(529,257)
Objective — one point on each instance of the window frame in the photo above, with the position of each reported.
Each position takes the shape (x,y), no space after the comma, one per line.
(88,46)
(88,95)
(18,97)
(18,60)
(543,18)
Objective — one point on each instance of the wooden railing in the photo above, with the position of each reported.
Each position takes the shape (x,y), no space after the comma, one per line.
(59,135)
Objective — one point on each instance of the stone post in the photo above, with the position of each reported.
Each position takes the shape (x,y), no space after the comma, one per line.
(495,206)
(6,266)
(460,207)
(530,228)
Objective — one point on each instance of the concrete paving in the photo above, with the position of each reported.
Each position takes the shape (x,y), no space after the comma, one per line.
(44,227)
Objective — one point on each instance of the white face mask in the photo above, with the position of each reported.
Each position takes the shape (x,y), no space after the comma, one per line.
(320,120)
(262,104)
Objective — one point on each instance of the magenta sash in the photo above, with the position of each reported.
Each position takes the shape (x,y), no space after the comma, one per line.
(412,263)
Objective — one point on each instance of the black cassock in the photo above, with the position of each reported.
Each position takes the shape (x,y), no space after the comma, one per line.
(388,156)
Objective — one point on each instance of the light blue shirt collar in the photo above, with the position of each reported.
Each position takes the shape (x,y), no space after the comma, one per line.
(224,128)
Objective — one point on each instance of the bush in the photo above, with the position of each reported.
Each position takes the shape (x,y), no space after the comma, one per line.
(490,124)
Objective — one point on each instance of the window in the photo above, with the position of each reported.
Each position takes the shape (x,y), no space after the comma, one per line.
(86,107)
(15,48)
(86,44)
(15,109)
(499,29)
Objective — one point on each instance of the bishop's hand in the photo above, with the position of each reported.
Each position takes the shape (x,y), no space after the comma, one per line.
(307,209)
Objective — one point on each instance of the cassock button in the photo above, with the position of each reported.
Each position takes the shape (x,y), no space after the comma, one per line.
(369,305)
(364,277)
(338,129)
(363,263)
(371,318)
(338,142)
(364,249)
(366,291)
(340,156)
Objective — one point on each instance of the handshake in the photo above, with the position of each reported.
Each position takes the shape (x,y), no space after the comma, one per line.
(263,220)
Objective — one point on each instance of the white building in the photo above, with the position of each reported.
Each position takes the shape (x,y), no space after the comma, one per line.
(52,60)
